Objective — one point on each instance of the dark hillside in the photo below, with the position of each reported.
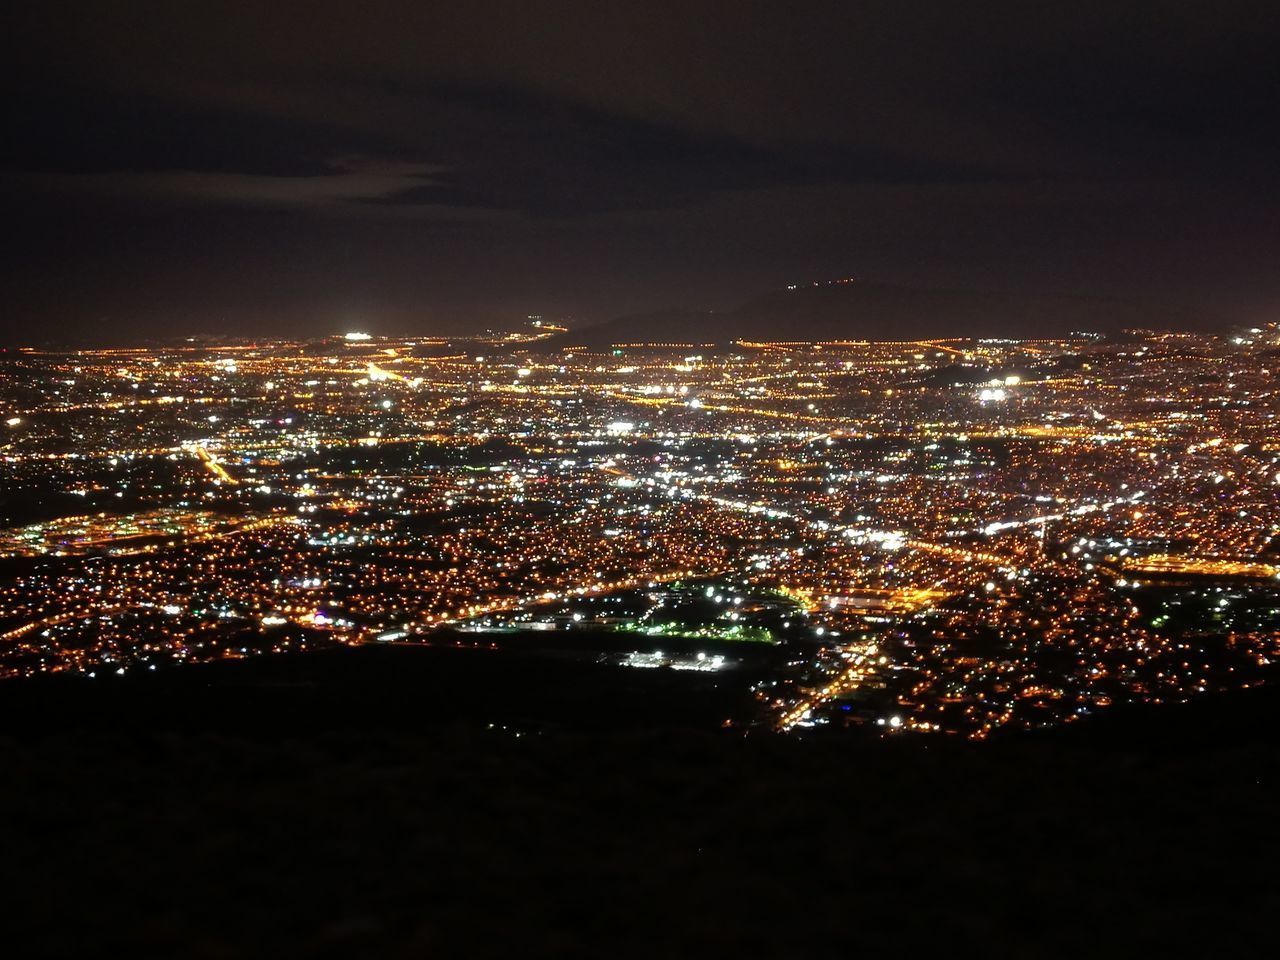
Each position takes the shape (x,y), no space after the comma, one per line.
(329,807)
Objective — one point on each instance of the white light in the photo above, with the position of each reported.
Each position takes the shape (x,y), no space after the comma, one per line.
(357,336)
(13,421)
(619,427)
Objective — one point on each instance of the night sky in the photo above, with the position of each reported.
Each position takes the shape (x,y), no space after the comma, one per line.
(238,168)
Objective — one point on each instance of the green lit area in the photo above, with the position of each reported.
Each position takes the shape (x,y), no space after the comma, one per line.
(737,633)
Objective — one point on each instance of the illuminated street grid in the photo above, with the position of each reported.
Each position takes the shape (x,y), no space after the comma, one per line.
(970,534)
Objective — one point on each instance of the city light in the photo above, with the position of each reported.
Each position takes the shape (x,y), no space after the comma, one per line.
(931,565)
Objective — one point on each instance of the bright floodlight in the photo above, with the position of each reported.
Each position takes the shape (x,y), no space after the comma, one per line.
(357,336)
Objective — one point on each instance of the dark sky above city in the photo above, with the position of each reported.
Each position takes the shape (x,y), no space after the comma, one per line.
(286,167)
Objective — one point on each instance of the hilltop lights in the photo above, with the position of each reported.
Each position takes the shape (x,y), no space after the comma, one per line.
(357,337)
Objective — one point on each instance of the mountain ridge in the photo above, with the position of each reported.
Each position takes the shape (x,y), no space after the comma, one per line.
(857,310)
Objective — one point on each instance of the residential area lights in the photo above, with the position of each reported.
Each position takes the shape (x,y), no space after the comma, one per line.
(940,538)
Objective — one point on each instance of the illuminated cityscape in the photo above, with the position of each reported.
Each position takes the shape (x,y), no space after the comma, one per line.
(954,537)
(640,480)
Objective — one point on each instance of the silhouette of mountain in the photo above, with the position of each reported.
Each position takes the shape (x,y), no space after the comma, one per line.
(855,310)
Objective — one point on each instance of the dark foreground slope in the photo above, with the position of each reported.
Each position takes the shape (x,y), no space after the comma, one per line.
(349,805)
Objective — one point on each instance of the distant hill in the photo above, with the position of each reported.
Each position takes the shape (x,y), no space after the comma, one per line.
(877,311)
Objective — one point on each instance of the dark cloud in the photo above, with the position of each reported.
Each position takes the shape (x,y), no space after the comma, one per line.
(421,163)
(351,187)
